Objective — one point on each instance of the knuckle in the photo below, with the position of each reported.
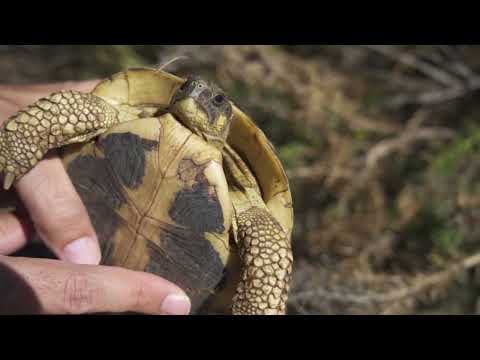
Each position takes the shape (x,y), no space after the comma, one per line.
(70,218)
(59,214)
(61,193)
(3,228)
(66,204)
(79,294)
(65,223)
(37,181)
(140,298)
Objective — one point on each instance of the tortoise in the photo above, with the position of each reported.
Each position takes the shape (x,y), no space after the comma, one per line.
(177,180)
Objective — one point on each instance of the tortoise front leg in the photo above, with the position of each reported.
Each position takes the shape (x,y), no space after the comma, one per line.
(267,260)
(63,118)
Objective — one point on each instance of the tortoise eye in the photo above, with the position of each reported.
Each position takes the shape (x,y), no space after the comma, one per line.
(219,100)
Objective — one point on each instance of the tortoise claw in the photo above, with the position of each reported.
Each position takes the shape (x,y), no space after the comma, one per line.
(8,181)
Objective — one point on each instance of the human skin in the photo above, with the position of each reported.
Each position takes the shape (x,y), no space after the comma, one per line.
(76,283)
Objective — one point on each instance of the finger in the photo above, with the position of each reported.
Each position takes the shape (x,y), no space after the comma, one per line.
(58,213)
(63,288)
(13,234)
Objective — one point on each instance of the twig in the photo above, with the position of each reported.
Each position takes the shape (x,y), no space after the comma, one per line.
(454,87)
(436,97)
(437,74)
(420,284)
(173,60)
(386,147)
(317,171)
(457,64)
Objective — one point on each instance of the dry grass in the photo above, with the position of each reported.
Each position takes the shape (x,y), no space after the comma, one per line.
(380,144)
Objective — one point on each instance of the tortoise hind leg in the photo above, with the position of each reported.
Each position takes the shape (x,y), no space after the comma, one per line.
(267,259)
(62,118)
(264,246)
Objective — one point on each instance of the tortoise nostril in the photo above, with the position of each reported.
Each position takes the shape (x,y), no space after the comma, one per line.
(219,99)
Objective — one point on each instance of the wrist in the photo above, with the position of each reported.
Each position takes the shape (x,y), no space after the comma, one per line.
(13,97)
(27,94)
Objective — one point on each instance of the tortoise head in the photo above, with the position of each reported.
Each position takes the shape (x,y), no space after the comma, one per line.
(204,109)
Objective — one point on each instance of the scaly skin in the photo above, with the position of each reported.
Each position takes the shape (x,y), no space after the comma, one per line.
(265,250)
(264,247)
(71,117)
(267,265)
(62,118)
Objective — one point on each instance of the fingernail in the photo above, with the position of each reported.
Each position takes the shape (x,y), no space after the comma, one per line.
(176,304)
(83,251)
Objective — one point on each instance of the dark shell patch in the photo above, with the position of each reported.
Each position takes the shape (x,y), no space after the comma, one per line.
(185,256)
(197,207)
(101,189)
(101,193)
(187,259)
(126,155)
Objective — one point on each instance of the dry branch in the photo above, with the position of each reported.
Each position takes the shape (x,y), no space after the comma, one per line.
(386,147)
(435,73)
(436,97)
(453,86)
(419,284)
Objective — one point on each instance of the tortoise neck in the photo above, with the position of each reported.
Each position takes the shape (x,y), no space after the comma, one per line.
(216,141)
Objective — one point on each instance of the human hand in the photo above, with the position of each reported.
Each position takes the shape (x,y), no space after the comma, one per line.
(77,284)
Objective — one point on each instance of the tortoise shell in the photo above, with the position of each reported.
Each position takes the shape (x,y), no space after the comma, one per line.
(157,193)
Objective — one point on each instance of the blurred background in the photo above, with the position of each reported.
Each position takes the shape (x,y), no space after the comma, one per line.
(380,144)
